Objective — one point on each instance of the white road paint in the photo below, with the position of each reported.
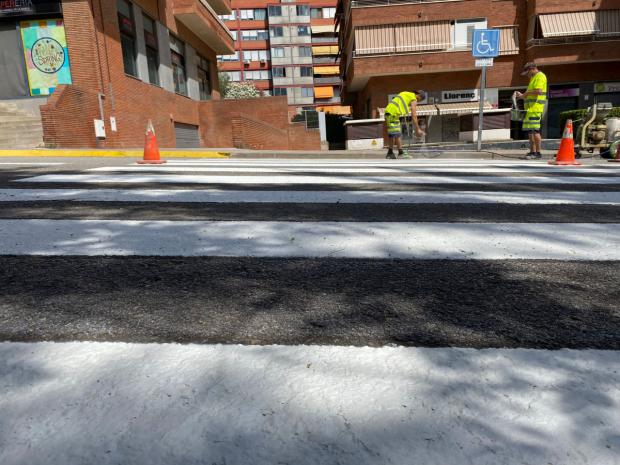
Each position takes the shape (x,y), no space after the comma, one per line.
(111,403)
(348,170)
(304,180)
(342,197)
(457,241)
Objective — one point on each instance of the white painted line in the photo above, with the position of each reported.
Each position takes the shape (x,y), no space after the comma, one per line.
(171,404)
(352,170)
(343,197)
(458,241)
(302,179)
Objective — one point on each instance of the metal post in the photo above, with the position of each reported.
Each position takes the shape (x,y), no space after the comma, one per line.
(483,83)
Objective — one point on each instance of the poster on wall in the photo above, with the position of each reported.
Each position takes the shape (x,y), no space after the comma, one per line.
(46,54)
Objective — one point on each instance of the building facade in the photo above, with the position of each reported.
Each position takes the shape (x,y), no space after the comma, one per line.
(286,49)
(393,45)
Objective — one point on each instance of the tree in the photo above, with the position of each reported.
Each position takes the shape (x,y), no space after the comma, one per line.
(237,90)
(224,83)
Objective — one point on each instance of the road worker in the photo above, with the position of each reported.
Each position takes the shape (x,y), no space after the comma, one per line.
(535,101)
(403,104)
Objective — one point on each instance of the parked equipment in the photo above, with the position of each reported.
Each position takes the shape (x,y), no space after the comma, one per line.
(598,131)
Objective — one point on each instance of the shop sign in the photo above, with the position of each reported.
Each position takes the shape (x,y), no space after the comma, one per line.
(28,7)
(46,54)
(603,87)
(559,93)
(455,96)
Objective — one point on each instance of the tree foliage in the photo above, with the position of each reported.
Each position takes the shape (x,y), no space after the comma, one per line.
(239,90)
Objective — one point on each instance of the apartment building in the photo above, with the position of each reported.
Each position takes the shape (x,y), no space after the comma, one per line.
(286,49)
(80,73)
(391,45)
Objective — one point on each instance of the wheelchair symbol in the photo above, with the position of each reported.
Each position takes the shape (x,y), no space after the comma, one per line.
(483,47)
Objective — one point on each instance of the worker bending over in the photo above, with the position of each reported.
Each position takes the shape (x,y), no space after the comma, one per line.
(402,105)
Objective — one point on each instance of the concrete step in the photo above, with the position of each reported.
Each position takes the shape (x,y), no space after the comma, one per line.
(19,119)
(10,126)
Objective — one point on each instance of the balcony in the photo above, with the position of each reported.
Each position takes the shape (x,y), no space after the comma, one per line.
(202,20)
(328,60)
(369,3)
(221,7)
(335,80)
(324,40)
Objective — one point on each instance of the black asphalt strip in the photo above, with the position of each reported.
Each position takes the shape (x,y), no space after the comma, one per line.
(520,303)
(479,213)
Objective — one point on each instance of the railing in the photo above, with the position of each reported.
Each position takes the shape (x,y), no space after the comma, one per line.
(324,40)
(327,80)
(325,60)
(320,101)
(573,39)
(365,3)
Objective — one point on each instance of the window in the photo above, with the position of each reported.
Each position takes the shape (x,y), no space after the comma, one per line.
(179,74)
(277,52)
(246,14)
(127,28)
(279,91)
(262,34)
(262,74)
(305,71)
(305,51)
(152,49)
(260,13)
(307,92)
(204,78)
(233,34)
(230,17)
(463,31)
(279,72)
(256,55)
(254,34)
(233,76)
(329,12)
(316,13)
(303,30)
(233,57)
(277,31)
(275,10)
(303,10)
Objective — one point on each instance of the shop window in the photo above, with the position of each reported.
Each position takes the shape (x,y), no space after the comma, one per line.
(305,71)
(179,71)
(275,10)
(127,29)
(152,50)
(277,91)
(303,10)
(204,78)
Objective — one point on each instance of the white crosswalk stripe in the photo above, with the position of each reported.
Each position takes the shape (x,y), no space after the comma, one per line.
(290,372)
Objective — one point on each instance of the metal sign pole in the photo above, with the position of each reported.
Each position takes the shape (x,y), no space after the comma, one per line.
(483,83)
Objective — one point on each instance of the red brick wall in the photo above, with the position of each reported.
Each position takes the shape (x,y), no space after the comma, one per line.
(300,139)
(248,133)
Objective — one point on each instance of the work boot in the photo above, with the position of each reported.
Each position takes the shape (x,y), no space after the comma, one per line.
(533,156)
(402,154)
(390,155)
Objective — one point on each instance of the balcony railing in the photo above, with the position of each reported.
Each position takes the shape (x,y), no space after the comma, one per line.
(327,80)
(366,3)
(325,60)
(573,39)
(324,40)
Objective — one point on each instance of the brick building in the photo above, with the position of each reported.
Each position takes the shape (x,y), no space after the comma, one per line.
(287,49)
(392,45)
(78,68)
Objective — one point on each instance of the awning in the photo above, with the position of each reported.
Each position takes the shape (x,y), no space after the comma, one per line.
(374,39)
(421,110)
(608,22)
(325,50)
(335,109)
(415,37)
(323,92)
(508,40)
(327,70)
(461,108)
(578,23)
(323,29)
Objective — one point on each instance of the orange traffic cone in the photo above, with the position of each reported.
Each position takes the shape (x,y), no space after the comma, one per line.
(151,150)
(566,153)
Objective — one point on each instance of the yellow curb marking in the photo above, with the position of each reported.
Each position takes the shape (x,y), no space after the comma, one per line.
(111,153)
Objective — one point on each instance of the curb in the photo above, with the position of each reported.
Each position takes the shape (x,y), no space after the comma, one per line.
(110,153)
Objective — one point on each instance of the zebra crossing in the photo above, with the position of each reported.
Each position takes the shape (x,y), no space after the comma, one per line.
(293,311)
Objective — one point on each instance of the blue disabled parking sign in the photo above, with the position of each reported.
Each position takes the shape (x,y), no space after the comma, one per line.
(485,43)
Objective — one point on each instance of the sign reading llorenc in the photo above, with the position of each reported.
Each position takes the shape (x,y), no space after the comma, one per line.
(455,96)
